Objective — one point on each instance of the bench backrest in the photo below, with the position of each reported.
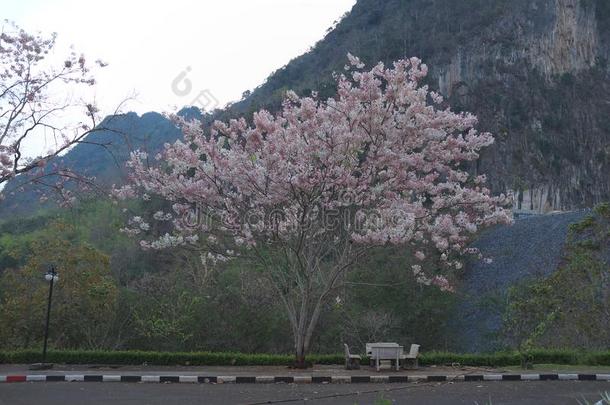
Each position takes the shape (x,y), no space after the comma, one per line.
(388,352)
(414,351)
(369,350)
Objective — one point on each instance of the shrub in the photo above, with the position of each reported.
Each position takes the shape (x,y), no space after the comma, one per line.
(501,359)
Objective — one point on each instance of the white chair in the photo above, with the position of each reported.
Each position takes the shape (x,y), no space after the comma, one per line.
(352,361)
(412,355)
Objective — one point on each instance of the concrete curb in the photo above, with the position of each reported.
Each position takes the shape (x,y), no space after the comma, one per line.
(304,379)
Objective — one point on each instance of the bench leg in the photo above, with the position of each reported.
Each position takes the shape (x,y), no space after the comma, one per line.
(415,363)
(352,364)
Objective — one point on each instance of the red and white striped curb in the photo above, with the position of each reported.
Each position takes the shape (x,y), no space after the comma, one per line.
(335,379)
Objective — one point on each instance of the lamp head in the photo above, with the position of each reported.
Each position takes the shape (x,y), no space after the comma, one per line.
(51,274)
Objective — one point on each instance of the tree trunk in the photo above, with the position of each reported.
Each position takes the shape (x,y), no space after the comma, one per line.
(305,319)
(304,332)
(301,343)
(299,361)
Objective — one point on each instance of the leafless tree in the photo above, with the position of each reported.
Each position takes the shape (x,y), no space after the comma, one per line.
(36,107)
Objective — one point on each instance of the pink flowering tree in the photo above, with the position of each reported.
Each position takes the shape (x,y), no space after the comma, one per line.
(36,109)
(305,193)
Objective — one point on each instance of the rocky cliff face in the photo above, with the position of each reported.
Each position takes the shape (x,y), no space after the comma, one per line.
(534,71)
(553,146)
(555,37)
(570,41)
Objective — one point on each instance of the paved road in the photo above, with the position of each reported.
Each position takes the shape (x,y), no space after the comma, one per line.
(496,393)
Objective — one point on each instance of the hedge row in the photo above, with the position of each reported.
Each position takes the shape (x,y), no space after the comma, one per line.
(540,356)
(160,358)
(242,359)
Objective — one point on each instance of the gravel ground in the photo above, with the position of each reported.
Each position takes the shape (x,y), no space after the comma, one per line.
(531,247)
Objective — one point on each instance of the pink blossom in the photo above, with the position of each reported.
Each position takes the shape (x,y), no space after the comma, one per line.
(280,183)
(420,255)
(442,283)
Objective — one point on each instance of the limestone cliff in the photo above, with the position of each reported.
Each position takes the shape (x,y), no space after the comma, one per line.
(553,144)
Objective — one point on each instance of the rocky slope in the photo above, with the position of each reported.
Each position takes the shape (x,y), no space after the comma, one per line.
(529,249)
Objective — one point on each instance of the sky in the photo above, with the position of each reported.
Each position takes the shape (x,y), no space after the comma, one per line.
(179,52)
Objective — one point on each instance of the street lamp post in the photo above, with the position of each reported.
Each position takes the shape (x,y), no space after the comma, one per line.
(51,276)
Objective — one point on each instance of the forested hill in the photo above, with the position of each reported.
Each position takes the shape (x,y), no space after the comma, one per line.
(535,72)
(103,156)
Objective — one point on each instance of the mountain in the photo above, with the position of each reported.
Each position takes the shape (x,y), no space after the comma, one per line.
(536,73)
(125,133)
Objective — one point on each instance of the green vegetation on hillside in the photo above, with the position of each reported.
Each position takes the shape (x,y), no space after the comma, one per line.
(149,300)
